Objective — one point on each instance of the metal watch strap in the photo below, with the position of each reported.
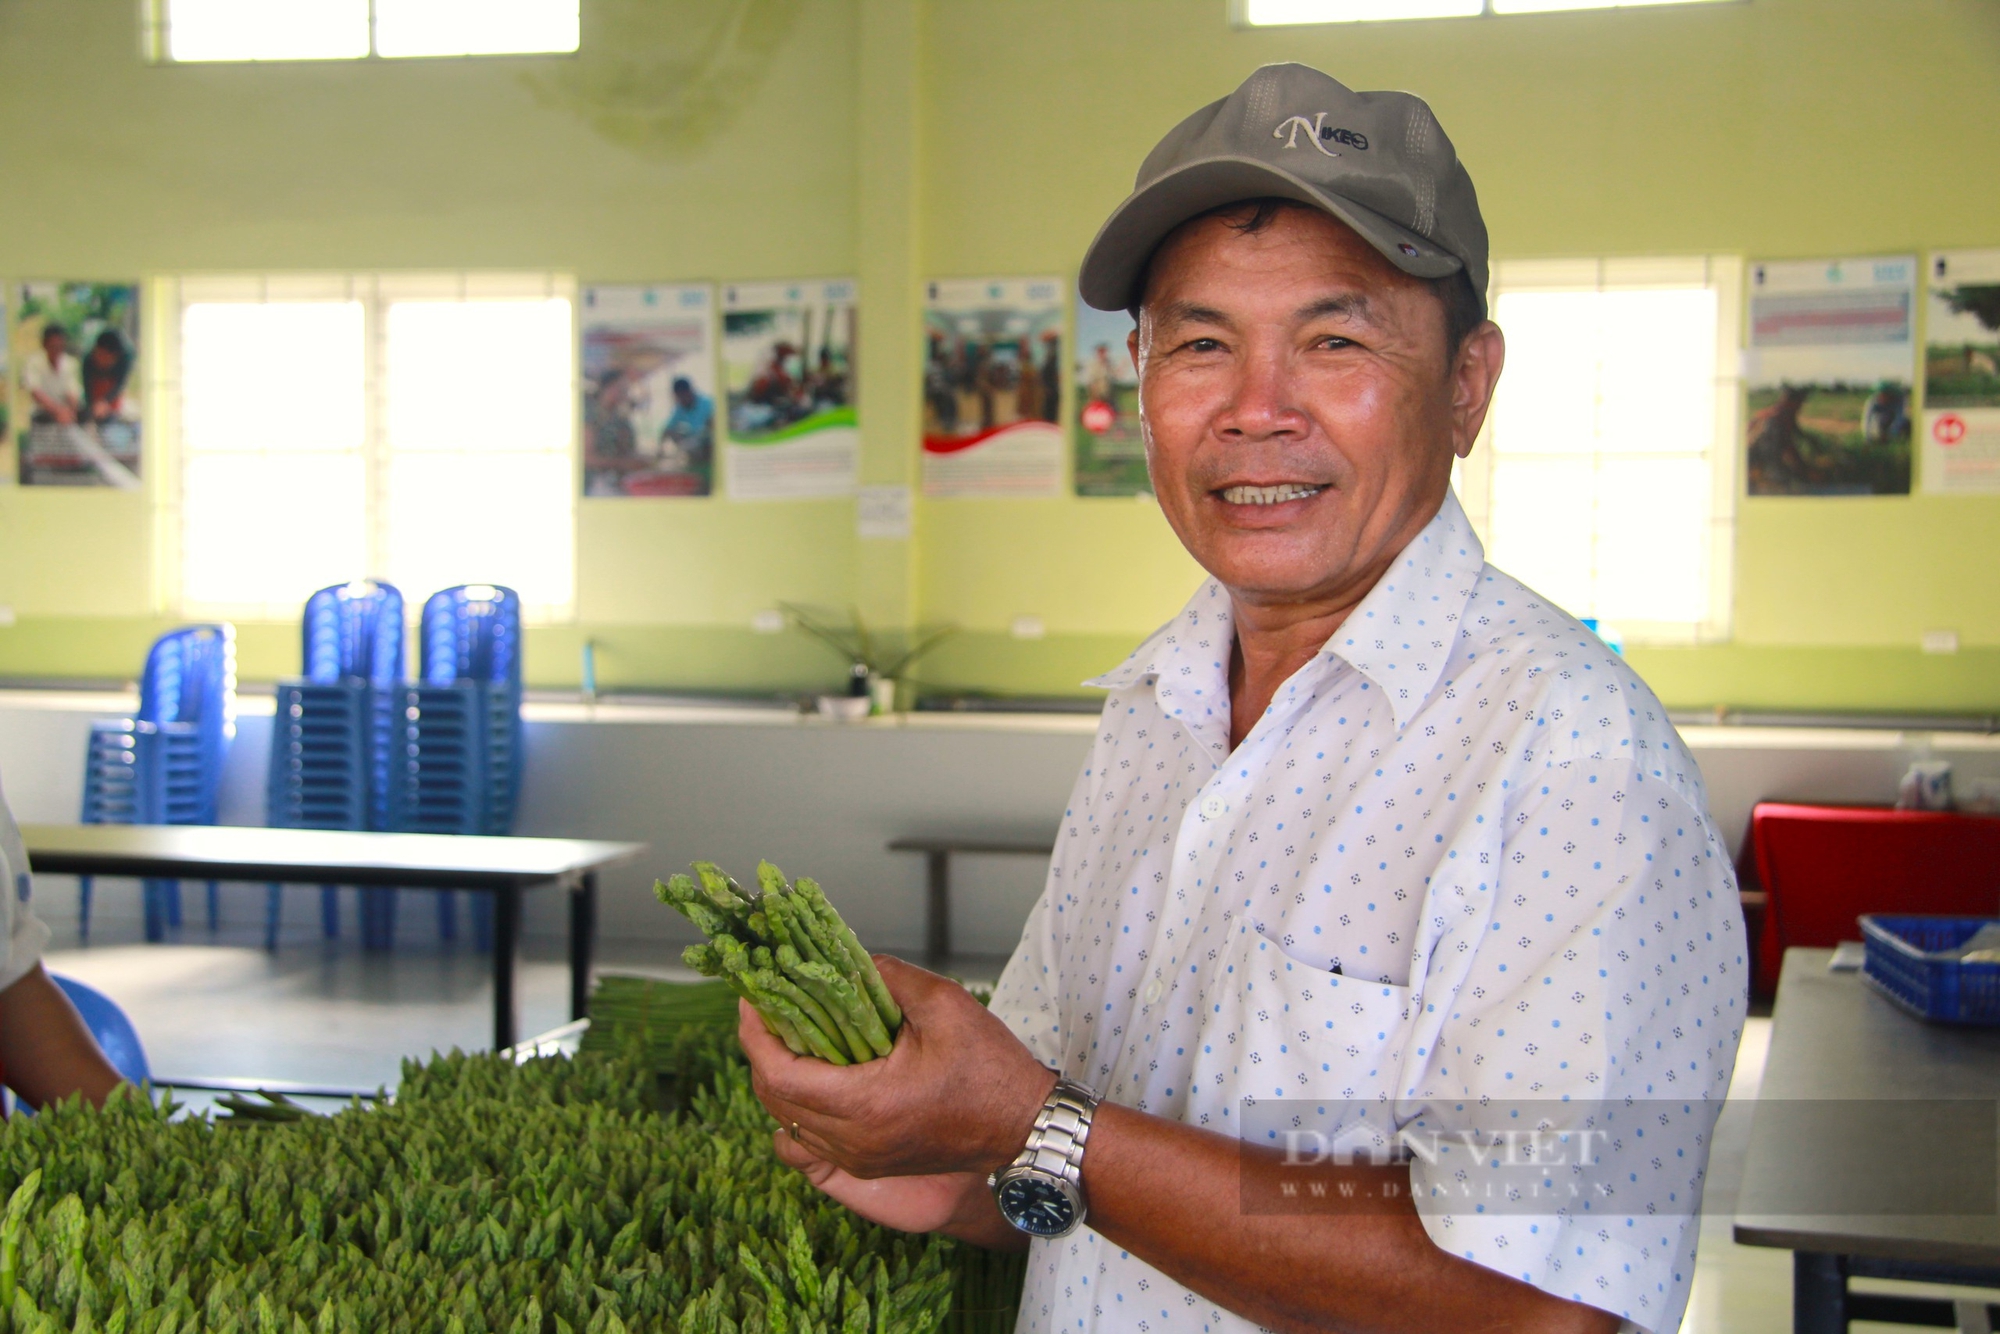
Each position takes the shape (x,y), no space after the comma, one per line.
(1062,1128)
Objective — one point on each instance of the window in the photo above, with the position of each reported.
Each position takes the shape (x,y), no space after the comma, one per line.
(414,429)
(1260,13)
(212,30)
(1606,475)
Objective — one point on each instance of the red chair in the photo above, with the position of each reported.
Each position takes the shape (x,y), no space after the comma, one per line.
(1824,866)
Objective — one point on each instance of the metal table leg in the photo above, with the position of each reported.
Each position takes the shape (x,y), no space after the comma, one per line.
(582,943)
(506,943)
(1819,1294)
(937,915)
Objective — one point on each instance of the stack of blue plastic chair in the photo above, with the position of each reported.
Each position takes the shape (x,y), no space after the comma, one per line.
(165,766)
(331,736)
(458,754)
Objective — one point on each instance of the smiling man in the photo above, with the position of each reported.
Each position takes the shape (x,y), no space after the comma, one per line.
(1390,970)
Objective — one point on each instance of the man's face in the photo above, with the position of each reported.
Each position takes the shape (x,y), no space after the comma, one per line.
(55,344)
(684,396)
(1300,407)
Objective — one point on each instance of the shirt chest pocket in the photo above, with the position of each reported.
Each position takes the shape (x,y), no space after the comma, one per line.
(1279,1028)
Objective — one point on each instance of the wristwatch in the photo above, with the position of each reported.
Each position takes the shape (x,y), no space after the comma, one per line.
(1041,1192)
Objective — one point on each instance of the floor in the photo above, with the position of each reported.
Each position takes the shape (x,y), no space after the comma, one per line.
(323,1012)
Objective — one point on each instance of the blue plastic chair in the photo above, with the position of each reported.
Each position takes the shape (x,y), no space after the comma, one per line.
(165,766)
(463,750)
(115,1035)
(332,731)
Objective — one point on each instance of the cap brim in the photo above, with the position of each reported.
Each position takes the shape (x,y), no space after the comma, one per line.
(1115,260)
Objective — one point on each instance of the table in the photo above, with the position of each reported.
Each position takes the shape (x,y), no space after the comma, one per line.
(502,867)
(1866,1157)
(937,853)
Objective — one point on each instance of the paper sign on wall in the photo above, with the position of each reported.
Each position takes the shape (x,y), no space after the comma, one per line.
(75,350)
(993,387)
(648,391)
(1829,367)
(789,372)
(1961,426)
(1110,454)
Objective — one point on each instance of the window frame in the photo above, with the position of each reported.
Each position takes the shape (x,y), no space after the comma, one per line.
(375,291)
(156,45)
(1724,274)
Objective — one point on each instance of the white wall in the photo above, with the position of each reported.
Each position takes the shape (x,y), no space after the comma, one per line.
(823,799)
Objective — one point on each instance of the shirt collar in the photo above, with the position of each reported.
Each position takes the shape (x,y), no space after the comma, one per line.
(1399,637)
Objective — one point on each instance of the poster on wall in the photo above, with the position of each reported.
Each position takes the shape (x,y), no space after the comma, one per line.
(648,391)
(788,374)
(74,348)
(1829,370)
(1109,454)
(993,387)
(1961,425)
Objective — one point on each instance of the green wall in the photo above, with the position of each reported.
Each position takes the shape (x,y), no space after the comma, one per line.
(903,139)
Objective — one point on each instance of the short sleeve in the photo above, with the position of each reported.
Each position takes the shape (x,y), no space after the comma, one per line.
(27,935)
(1602,998)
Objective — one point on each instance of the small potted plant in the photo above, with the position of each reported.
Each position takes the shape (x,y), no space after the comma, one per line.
(876,663)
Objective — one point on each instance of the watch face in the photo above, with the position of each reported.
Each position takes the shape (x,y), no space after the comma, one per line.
(1037,1206)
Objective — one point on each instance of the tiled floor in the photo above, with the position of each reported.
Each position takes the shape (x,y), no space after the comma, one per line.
(325,1013)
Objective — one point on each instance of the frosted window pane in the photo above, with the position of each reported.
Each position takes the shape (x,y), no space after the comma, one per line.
(1656,376)
(474,27)
(267,29)
(497,519)
(479,375)
(264,531)
(1652,540)
(286,376)
(479,412)
(1259,12)
(1541,527)
(1547,400)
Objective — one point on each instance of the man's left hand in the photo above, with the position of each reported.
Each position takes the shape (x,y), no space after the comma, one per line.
(958,1093)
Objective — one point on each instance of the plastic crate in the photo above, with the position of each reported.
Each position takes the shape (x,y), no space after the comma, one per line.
(1908,960)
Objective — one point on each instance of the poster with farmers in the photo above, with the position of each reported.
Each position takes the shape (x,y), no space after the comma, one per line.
(1108,454)
(1829,370)
(993,387)
(788,374)
(74,347)
(1961,422)
(648,391)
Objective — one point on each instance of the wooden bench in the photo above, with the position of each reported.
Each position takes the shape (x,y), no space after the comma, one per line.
(938,853)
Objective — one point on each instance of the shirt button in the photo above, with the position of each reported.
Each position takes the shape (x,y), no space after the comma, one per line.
(1212,807)
(1152,991)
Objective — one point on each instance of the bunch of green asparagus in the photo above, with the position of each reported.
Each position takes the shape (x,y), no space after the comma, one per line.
(783,948)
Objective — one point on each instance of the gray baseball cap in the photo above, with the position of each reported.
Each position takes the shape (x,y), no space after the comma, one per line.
(1379,162)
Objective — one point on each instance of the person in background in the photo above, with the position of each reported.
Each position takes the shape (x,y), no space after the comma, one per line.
(106,368)
(53,379)
(692,424)
(1051,375)
(1390,969)
(46,1053)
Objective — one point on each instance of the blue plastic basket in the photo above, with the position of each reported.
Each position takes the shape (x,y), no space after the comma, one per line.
(1909,961)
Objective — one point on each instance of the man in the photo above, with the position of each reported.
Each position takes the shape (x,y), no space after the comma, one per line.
(690,424)
(53,379)
(1375,849)
(46,1052)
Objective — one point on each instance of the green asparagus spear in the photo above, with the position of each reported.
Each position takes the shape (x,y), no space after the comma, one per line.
(844,999)
(807,890)
(815,984)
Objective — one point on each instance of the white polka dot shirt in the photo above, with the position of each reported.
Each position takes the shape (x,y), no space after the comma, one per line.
(1463,857)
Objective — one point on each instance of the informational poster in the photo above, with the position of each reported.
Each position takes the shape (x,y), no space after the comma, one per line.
(1831,360)
(1108,451)
(993,387)
(1961,426)
(74,348)
(788,371)
(648,391)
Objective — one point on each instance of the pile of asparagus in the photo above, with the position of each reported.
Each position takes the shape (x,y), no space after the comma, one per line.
(783,948)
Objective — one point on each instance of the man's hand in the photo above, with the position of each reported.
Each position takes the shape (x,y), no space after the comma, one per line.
(957,1095)
(957,1204)
(47,1051)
